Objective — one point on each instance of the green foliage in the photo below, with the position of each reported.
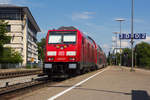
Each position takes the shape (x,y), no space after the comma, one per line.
(35,66)
(127,57)
(143,54)
(28,66)
(16,56)
(41,47)
(7,55)
(10,56)
(4,39)
(111,59)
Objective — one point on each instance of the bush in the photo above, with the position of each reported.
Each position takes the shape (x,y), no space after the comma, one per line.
(35,66)
(143,54)
(28,66)
(10,56)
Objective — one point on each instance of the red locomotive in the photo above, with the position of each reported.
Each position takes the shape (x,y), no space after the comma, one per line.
(70,52)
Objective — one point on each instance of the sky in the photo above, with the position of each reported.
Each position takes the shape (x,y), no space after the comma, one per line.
(95,18)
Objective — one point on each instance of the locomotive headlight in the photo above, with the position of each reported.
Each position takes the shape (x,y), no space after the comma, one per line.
(71,58)
(71,53)
(65,46)
(57,46)
(51,53)
(51,58)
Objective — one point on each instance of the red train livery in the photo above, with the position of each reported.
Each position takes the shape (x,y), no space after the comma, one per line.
(70,52)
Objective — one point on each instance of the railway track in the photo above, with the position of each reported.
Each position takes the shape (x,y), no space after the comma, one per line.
(13,74)
(10,88)
(11,91)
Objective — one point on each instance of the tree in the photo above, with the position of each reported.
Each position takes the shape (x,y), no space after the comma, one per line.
(143,54)
(126,57)
(16,56)
(7,55)
(4,39)
(41,47)
(10,56)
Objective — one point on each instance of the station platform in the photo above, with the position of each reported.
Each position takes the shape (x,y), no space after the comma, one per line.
(111,83)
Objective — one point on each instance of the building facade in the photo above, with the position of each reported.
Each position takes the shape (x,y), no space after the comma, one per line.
(23,29)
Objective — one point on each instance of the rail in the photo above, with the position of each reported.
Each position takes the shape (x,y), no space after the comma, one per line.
(4,75)
(19,86)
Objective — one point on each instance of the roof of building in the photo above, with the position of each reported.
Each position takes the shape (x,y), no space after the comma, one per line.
(26,10)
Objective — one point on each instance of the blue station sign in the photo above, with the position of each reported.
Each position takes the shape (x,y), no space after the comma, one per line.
(135,36)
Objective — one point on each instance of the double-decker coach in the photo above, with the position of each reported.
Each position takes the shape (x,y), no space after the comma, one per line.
(101,58)
(68,52)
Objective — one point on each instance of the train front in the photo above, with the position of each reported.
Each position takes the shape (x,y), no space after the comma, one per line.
(61,53)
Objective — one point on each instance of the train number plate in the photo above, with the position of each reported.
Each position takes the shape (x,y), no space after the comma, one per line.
(61,53)
(48,65)
(61,58)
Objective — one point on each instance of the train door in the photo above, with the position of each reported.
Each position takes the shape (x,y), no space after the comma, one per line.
(83,51)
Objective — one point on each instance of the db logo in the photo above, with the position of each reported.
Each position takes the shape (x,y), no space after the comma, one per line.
(61,53)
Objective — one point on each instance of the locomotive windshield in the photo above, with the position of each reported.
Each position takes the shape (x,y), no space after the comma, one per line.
(55,39)
(62,37)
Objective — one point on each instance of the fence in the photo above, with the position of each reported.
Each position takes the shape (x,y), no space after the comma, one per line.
(10,65)
(33,65)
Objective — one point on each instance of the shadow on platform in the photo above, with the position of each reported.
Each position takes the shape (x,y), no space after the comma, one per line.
(140,95)
(136,94)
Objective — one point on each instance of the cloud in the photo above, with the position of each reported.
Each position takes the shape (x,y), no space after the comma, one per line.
(5,1)
(106,46)
(15,2)
(124,44)
(96,27)
(146,40)
(113,38)
(82,15)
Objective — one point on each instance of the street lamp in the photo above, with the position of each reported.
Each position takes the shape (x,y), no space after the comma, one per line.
(132,33)
(116,45)
(120,20)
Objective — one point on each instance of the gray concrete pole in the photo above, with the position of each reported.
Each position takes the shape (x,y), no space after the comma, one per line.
(132,33)
(120,45)
(116,48)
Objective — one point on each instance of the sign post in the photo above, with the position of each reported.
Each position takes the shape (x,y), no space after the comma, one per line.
(32,60)
(132,36)
(135,36)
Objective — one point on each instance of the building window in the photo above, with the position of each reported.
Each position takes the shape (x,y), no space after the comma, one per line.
(8,27)
(11,13)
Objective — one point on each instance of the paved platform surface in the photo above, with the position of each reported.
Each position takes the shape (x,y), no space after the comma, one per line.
(111,83)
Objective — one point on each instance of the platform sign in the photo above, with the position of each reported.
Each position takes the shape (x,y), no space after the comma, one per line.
(32,60)
(136,36)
